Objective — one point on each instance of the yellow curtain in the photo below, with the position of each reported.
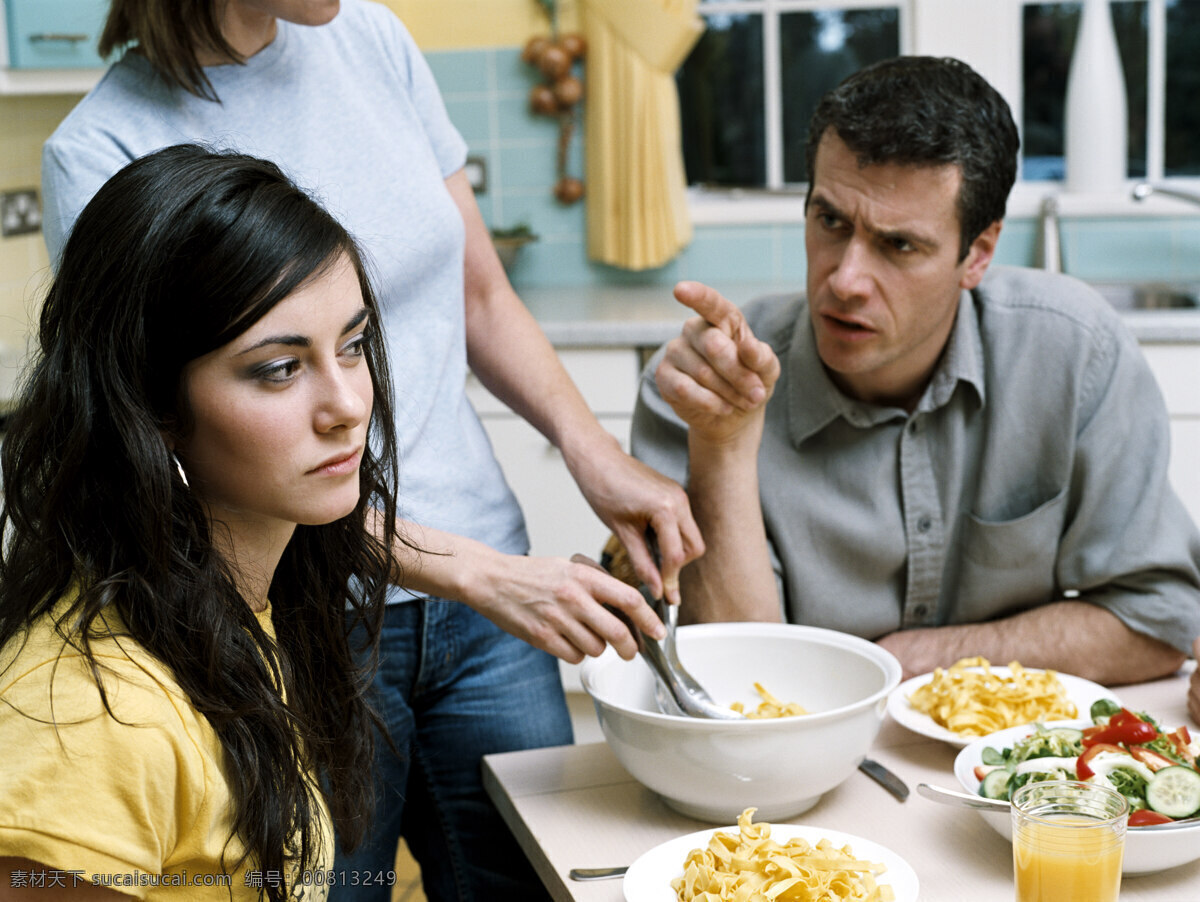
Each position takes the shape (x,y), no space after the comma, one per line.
(636,206)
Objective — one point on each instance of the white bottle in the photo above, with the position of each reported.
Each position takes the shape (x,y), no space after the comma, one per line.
(1097,137)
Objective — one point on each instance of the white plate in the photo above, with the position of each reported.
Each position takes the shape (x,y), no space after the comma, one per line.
(649,878)
(1082,692)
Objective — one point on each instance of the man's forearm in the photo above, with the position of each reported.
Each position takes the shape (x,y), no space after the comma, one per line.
(1070,636)
(733,580)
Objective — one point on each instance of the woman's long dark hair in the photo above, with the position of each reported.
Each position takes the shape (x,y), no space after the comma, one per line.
(178,254)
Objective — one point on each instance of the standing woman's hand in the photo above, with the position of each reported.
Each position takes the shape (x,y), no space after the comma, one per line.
(561,606)
(631,498)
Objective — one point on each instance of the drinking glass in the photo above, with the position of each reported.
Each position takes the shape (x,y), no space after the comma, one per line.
(1068,841)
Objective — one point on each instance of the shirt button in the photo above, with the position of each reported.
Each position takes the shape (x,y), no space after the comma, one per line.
(924,524)
(914,426)
(920,610)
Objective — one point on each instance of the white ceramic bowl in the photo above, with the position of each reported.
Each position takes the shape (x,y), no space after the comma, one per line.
(1146,851)
(714,769)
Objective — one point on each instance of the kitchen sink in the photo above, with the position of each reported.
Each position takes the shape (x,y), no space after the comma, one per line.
(1150,295)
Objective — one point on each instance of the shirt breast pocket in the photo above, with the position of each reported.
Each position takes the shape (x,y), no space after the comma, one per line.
(1007,563)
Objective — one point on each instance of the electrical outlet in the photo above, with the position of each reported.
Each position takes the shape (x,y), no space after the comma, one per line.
(20,212)
(476,170)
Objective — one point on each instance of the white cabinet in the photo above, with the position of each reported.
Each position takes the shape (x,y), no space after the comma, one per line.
(560,521)
(1177,368)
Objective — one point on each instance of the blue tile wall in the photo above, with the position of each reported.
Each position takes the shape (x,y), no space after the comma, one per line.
(486,96)
(1018,243)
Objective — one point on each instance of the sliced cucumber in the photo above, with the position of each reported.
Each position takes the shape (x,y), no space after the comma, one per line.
(995,785)
(1067,734)
(1174,791)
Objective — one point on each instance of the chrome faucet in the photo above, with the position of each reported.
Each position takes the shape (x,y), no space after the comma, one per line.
(1051,247)
(1142,190)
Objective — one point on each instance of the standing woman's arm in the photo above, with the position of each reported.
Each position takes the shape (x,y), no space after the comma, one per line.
(512,357)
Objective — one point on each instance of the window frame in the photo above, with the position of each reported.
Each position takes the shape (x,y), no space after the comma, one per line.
(988,36)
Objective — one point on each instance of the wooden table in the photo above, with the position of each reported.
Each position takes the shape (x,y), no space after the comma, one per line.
(575,806)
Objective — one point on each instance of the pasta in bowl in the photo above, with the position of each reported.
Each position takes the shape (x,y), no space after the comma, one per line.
(713,770)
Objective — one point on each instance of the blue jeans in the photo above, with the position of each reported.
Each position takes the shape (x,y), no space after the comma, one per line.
(453,687)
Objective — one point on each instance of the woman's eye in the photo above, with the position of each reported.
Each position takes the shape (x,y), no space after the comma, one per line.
(280,371)
(355,347)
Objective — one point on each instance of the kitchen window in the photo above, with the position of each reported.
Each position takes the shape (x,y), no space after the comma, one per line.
(749,86)
(1159,45)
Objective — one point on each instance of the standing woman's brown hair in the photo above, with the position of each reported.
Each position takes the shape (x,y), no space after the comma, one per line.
(169,33)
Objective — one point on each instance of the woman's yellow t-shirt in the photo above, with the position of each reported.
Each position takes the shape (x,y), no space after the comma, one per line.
(139,802)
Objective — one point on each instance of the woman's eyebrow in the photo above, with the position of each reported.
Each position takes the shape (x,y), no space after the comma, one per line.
(357,320)
(303,341)
(296,341)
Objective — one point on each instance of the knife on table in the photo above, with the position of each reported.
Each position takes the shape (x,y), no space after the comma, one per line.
(884,778)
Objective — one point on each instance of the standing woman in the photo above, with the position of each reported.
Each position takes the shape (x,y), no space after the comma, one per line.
(188,479)
(339,96)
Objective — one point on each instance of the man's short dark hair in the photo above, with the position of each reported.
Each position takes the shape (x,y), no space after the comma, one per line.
(927,111)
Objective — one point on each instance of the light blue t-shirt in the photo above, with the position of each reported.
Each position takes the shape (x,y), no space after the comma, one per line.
(351,112)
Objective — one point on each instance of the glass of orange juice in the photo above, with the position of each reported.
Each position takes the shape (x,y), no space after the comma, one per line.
(1068,841)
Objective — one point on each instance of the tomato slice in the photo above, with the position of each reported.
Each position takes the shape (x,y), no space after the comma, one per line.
(1150,758)
(1130,731)
(1143,817)
(1081,763)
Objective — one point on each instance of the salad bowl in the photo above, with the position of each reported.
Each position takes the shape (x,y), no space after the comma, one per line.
(1146,850)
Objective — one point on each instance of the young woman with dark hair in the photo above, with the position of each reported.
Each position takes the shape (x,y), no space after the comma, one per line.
(199,485)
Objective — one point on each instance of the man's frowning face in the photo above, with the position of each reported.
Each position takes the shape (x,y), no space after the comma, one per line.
(884,274)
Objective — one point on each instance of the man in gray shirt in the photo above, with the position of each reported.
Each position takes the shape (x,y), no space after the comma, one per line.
(949,459)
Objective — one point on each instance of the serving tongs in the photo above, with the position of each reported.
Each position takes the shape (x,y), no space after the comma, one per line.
(676,690)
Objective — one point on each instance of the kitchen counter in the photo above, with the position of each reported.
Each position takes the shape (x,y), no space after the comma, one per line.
(647,316)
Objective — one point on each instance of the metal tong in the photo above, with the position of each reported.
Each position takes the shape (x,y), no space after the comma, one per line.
(677,691)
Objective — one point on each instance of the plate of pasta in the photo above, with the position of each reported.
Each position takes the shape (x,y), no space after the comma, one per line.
(781,861)
(972,698)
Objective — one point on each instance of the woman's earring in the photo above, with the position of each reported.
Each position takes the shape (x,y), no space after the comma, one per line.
(179,468)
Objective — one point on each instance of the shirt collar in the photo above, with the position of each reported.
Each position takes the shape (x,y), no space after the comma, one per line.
(814,401)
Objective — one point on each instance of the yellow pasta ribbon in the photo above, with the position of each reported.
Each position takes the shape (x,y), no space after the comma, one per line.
(770,706)
(752,867)
(975,702)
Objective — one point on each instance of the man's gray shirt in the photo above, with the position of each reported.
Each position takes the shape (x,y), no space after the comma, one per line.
(1034,466)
